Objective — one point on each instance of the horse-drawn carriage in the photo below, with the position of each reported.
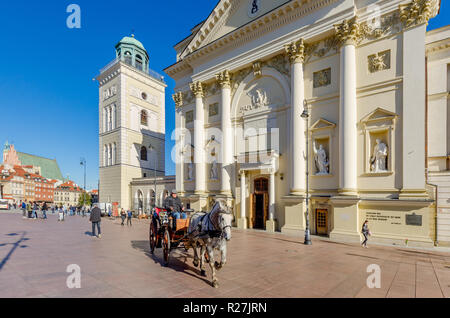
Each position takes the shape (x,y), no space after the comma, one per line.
(206,231)
(163,234)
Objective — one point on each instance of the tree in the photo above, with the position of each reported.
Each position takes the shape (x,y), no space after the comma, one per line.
(85,199)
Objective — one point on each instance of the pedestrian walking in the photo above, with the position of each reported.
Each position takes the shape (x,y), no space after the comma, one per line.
(29,210)
(130,216)
(96,218)
(35,208)
(60,215)
(24,209)
(366,233)
(44,210)
(123,216)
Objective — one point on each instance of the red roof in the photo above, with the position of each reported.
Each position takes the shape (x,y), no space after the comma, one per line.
(69,185)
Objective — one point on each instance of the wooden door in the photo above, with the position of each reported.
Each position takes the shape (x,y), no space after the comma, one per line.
(252,211)
(322,222)
(266,208)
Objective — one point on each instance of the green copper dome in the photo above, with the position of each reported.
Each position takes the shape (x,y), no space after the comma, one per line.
(131,41)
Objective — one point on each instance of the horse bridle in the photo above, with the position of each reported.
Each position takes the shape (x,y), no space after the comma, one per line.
(222,231)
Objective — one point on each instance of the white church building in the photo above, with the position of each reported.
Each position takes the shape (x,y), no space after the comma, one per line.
(356,89)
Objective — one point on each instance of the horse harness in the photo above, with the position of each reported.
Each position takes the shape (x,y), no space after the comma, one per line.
(209,232)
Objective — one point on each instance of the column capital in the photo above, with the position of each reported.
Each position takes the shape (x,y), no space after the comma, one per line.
(178,99)
(197,89)
(296,51)
(348,32)
(224,79)
(418,12)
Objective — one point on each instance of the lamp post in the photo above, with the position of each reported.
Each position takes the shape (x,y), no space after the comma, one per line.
(305,115)
(152,149)
(83,163)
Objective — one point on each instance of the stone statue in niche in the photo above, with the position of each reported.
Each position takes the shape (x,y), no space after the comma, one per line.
(214,174)
(190,171)
(378,161)
(321,159)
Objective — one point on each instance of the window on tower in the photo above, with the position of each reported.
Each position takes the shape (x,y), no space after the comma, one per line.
(144,118)
(128,58)
(139,62)
(143,153)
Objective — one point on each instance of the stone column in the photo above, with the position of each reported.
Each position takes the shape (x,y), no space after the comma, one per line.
(414,17)
(180,165)
(227,149)
(270,224)
(199,138)
(296,53)
(242,222)
(272,196)
(348,35)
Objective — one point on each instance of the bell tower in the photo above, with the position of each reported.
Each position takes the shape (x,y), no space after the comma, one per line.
(131,122)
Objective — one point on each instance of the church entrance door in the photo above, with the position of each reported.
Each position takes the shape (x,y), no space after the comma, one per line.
(260,203)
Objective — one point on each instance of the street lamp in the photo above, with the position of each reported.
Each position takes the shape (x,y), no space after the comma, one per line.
(152,149)
(306,115)
(83,163)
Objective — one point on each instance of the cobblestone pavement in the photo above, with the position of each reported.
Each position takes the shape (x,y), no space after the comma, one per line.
(34,255)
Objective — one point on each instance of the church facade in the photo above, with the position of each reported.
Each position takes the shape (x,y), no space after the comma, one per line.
(278,99)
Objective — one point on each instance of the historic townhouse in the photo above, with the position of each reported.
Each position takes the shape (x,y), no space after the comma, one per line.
(264,87)
(67,194)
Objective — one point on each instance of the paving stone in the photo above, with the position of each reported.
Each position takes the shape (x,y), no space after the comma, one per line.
(34,256)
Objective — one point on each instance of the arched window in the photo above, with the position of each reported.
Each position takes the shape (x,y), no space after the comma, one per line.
(139,62)
(144,153)
(109,118)
(128,58)
(144,118)
(114,155)
(106,156)
(109,155)
(262,185)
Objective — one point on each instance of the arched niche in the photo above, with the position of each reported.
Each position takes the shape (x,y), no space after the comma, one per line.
(272,82)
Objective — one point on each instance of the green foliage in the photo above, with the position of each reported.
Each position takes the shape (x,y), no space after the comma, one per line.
(85,199)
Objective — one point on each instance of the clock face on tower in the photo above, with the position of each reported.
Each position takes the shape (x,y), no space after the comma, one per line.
(254,8)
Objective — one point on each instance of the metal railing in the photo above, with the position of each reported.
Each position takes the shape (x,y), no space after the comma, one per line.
(150,72)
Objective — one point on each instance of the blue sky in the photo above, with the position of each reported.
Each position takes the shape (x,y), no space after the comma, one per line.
(48,101)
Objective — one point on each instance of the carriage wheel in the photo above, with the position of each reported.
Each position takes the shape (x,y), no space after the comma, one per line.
(152,237)
(166,246)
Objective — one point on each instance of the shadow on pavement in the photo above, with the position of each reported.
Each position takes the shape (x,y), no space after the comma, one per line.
(15,245)
(174,261)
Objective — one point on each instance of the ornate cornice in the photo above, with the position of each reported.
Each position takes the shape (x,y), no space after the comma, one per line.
(283,15)
(348,32)
(197,89)
(224,79)
(296,51)
(418,12)
(178,99)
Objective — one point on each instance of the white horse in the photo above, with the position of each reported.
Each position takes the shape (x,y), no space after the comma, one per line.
(211,231)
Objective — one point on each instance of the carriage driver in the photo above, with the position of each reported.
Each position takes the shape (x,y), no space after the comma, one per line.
(173,204)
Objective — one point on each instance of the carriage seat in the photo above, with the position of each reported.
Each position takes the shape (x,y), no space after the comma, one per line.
(159,209)
(182,224)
